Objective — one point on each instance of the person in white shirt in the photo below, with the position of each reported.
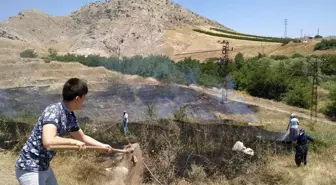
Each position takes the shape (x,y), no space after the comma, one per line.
(293,126)
(125,122)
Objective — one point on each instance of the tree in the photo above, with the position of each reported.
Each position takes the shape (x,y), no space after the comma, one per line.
(239,60)
(52,53)
(330,108)
(28,53)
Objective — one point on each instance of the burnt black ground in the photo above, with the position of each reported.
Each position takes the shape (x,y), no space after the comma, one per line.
(108,105)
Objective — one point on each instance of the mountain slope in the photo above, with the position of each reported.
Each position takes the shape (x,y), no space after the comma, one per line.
(119,27)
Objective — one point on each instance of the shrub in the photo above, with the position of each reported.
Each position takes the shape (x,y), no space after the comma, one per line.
(297,55)
(279,57)
(330,111)
(326,44)
(28,53)
(299,94)
(52,53)
(239,59)
(328,66)
(330,108)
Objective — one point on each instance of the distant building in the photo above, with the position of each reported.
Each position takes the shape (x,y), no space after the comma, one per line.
(304,39)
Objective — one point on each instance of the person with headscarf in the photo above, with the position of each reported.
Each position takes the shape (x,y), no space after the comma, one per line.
(302,147)
(293,126)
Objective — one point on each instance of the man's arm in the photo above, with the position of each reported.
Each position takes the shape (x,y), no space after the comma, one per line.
(310,138)
(49,137)
(80,135)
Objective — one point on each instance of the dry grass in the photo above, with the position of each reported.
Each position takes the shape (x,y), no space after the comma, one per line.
(320,169)
(184,40)
(74,168)
(7,172)
(279,170)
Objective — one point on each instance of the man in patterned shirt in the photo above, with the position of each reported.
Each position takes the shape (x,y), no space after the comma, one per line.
(57,120)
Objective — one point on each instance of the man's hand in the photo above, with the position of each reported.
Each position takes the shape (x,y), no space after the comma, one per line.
(108,147)
(80,144)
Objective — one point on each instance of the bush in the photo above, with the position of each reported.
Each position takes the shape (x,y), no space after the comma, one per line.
(330,109)
(239,60)
(326,44)
(299,94)
(52,53)
(297,55)
(318,37)
(28,53)
(328,66)
(279,57)
(285,80)
(47,60)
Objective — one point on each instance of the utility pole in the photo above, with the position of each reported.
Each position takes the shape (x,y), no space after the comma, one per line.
(313,110)
(225,62)
(301,33)
(286,21)
(318,31)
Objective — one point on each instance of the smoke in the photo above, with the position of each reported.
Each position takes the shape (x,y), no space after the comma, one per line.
(6,103)
(191,77)
(236,103)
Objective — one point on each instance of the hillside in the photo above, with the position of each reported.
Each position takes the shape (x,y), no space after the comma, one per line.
(128,28)
(134,27)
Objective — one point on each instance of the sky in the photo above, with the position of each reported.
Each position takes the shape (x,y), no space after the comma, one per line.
(260,17)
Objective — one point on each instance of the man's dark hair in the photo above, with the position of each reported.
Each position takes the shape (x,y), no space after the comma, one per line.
(74,87)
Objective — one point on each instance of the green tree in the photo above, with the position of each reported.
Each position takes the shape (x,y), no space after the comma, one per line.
(28,53)
(52,53)
(298,94)
(330,108)
(239,60)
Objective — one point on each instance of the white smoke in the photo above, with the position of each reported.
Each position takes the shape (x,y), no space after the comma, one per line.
(236,103)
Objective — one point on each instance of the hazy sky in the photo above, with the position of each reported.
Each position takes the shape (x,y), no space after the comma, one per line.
(261,17)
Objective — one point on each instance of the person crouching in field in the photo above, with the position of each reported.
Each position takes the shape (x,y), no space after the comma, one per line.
(57,120)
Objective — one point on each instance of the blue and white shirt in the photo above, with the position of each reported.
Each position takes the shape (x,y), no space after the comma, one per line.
(34,156)
(294,123)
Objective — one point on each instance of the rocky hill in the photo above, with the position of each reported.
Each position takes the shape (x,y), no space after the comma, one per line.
(118,27)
